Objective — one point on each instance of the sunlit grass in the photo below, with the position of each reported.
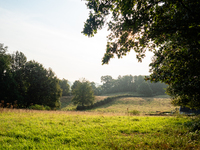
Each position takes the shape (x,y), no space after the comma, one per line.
(122,105)
(122,93)
(20,129)
(144,105)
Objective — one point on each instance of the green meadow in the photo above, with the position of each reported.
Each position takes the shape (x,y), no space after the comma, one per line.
(31,129)
(109,126)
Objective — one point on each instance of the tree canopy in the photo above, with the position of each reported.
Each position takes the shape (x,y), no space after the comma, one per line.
(42,85)
(27,82)
(65,87)
(74,85)
(4,60)
(129,83)
(83,93)
(171,29)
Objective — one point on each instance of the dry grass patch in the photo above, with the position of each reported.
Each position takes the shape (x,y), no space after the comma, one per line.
(144,105)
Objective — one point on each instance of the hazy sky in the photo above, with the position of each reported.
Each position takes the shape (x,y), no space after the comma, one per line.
(49,32)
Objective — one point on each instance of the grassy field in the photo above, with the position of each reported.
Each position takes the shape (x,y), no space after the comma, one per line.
(28,129)
(144,105)
(105,127)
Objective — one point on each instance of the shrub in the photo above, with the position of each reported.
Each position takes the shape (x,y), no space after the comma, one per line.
(47,108)
(194,125)
(39,107)
(134,112)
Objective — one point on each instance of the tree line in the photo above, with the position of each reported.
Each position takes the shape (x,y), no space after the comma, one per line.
(25,83)
(128,83)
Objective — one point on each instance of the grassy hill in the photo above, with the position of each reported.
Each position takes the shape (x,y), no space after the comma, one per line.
(141,104)
(122,105)
(66,103)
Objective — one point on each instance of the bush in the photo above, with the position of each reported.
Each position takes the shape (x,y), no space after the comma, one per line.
(194,125)
(47,108)
(134,112)
(39,107)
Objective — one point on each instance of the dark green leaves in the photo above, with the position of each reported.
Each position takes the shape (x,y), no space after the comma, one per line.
(83,94)
(27,82)
(171,29)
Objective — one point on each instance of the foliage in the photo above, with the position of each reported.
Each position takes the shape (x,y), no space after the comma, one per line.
(195,125)
(123,84)
(134,112)
(65,87)
(27,82)
(18,61)
(39,107)
(42,85)
(108,83)
(129,83)
(74,86)
(18,76)
(145,89)
(168,28)
(181,73)
(80,130)
(95,89)
(158,88)
(4,60)
(5,73)
(83,94)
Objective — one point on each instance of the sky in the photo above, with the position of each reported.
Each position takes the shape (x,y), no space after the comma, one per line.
(49,32)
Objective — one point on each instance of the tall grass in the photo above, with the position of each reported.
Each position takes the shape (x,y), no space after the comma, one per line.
(20,129)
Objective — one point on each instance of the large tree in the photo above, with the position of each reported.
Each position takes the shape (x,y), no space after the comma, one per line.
(4,60)
(83,94)
(42,85)
(74,85)
(18,61)
(169,28)
(8,89)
